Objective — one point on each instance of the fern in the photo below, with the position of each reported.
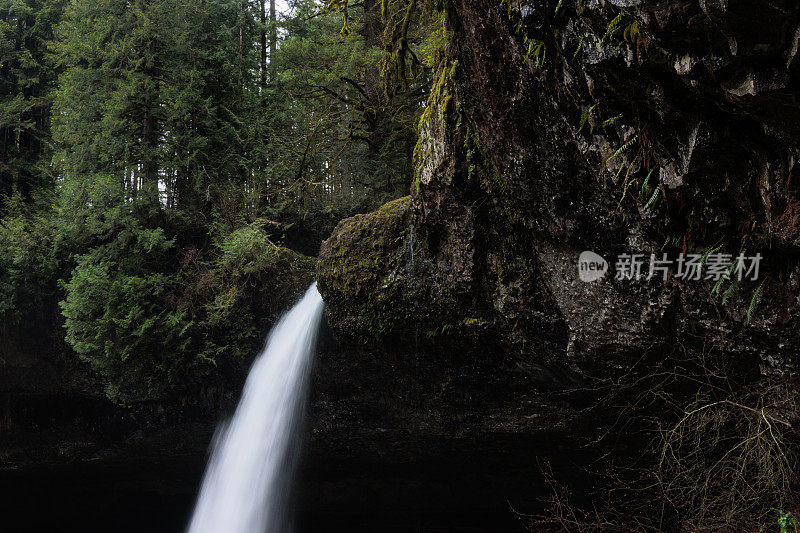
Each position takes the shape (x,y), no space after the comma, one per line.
(536,49)
(786,520)
(721,281)
(578,49)
(710,250)
(619,171)
(652,199)
(718,285)
(611,121)
(624,147)
(628,182)
(613,27)
(754,301)
(540,60)
(730,291)
(585,114)
(646,182)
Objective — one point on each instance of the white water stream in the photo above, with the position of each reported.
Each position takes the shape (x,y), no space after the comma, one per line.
(247,481)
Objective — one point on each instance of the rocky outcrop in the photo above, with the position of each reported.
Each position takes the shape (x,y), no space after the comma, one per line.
(596,127)
(356,275)
(643,127)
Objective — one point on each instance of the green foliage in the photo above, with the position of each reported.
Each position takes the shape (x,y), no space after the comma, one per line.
(611,121)
(247,251)
(438,37)
(613,27)
(27,260)
(122,311)
(150,162)
(787,522)
(585,114)
(334,140)
(115,311)
(754,301)
(625,147)
(151,317)
(146,93)
(537,50)
(26,78)
(246,286)
(400,65)
(627,184)
(578,48)
(651,202)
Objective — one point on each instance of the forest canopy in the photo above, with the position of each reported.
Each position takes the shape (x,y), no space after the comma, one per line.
(157,158)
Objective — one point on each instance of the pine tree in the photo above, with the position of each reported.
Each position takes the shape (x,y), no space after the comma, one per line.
(26,79)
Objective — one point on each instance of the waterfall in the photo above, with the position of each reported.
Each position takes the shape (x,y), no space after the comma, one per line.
(246,484)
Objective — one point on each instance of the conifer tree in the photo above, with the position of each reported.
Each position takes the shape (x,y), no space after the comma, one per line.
(26,79)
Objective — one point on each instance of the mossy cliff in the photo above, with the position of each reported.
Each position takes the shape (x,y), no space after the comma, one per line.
(635,127)
(602,126)
(359,256)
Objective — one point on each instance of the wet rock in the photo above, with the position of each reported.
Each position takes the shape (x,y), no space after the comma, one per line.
(652,127)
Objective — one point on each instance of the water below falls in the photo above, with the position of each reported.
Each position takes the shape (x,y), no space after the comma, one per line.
(246,484)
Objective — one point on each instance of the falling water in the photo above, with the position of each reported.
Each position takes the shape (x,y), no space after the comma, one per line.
(246,484)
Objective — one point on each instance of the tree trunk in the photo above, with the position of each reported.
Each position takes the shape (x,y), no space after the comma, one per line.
(273,39)
(149,132)
(149,164)
(264,40)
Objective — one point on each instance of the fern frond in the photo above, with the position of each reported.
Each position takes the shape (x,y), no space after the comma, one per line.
(613,27)
(754,301)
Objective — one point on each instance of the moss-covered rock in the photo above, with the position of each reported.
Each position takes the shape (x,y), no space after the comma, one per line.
(552,129)
(358,267)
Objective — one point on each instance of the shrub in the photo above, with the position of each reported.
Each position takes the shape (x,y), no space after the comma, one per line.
(726,462)
(121,314)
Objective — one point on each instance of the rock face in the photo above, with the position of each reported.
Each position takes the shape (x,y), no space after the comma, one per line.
(632,137)
(354,272)
(636,127)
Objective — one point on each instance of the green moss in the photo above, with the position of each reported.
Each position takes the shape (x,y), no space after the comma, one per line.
(353,264)
(442,103)
(472,322)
